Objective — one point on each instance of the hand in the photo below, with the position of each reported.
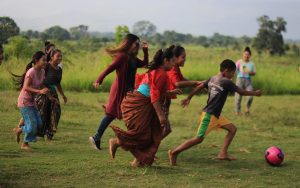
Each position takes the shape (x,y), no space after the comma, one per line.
(65,99)
(44,91)
(185,102)
(162,120)
(258,93)
(198,83)
(176,92)
(96,85)
(144,44)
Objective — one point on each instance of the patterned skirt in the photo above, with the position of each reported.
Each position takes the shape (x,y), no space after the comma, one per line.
(50,113)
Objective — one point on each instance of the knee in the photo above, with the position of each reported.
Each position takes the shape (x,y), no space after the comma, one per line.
(233,130)
(198,140)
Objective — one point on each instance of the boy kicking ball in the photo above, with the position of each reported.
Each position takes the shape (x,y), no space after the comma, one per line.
(218,87)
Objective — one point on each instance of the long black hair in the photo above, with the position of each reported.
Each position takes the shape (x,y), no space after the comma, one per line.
(19,79)
(177,50)
(159,57)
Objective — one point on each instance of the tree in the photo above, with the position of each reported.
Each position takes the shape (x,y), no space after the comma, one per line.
(31,34)
(19,47)
(79,31)
(144,29)
(269,35)
(56,32)
(120,33)
(8,28)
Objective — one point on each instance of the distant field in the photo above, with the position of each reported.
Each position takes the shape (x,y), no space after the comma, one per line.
(275,75)
(69,160)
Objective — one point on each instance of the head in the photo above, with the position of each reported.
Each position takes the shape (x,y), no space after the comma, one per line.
(56,56)
(180,55)
(38,61)
(49,47)
(163,58)
(227,68)
(130,44)
(1,54)
(247,54)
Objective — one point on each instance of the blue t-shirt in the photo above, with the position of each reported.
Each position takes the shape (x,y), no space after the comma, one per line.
(243,68)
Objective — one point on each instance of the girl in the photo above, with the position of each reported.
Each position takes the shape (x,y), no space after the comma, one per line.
(176,78)
(29,83)
(49,106)
(125,62)
(245,70)
(143,113)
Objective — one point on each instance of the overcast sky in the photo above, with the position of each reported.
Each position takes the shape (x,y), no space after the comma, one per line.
(197,17)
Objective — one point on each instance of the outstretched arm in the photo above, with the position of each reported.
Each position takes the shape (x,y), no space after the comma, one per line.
(187,83)
(248,93)
(185,102)
(114,65)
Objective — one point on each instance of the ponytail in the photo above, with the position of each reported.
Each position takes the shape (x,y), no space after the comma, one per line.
(19,79)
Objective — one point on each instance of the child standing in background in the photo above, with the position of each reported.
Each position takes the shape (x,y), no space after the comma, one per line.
(245,70)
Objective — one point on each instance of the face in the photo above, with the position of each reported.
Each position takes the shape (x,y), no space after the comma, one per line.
(180,60)
(229,74)
(56,58)
(41,63)
(168,64)
(134,49)
(246,56)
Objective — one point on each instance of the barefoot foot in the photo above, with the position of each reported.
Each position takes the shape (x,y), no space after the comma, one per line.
(113,145)
(172,158)
(25,146)
(226,157)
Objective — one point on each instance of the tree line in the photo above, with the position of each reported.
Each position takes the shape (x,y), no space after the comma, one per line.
(268,39)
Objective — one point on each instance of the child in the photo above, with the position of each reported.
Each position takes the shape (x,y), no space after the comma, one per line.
(29,83)
(125,63)
(245,70)
(218,87)
(143,113)
(176,78)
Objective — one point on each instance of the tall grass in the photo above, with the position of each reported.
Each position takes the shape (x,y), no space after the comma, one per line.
(275,75)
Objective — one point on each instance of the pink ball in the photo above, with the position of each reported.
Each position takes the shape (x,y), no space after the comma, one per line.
(274,156)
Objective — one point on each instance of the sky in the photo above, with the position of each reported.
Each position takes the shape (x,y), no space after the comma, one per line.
(197,17)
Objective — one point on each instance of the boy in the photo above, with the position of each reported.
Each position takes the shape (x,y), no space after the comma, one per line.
(218,87)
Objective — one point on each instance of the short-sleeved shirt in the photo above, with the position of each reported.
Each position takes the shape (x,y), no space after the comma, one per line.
(154,84)
(218,88)
(53,76)
(25,97)
(243,68)
(175,76)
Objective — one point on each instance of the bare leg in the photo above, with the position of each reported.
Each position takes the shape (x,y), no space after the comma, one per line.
(223,154)
(184,146)
(113,146)
(21,122)
(17,132)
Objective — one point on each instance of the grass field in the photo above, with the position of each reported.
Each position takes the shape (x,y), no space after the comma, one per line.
(69,160)
(275,75)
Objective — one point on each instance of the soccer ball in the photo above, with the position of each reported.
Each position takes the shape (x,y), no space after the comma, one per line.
(274,156)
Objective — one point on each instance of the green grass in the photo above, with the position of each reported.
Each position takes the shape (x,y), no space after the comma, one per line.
(69,160)
(275,75)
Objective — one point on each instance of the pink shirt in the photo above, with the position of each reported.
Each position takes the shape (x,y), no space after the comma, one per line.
(37,78)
